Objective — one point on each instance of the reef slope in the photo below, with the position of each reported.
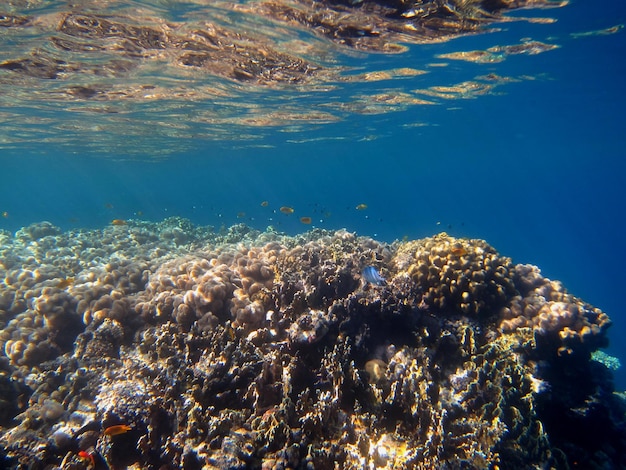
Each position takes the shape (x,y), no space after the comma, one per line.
(247,349)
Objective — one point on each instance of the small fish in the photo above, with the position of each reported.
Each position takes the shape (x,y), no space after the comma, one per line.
(63,283)
(265,204)
(371,276)
(361,207)
(376,369)
(94,460)
(88,456)
(116,429)
(5,214)
(306,220)
(458,251)
(118,222)
(287,210)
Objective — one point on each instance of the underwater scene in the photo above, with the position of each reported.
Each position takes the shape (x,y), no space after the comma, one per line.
(312,234)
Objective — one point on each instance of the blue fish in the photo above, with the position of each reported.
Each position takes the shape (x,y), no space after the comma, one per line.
(371,275)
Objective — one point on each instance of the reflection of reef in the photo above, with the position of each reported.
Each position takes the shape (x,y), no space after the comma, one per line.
(254,350)
(219,51)
(116,77)
(499,53)
(234,54)
(378,25)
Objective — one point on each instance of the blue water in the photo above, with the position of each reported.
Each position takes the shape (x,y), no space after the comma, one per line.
(537,170)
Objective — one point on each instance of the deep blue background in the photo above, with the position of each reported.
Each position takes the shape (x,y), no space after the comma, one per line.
(537,172)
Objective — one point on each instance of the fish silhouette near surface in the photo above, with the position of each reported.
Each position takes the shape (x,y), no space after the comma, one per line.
(371,276)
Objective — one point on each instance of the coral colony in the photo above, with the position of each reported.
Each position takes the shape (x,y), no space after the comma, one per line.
(165,345)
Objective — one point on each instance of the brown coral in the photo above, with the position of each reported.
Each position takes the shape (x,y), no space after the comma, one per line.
(457,276)
(547,308)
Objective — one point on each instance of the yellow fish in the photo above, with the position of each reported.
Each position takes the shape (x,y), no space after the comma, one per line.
(117,429)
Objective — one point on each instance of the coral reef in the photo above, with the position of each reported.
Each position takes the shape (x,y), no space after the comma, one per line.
(244,349)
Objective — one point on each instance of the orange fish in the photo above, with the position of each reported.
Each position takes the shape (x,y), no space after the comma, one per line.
(63,283)
(458,251)
(305,220)
(87,456)
(361,207)
(116,429)
(118,222)
(287,210)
